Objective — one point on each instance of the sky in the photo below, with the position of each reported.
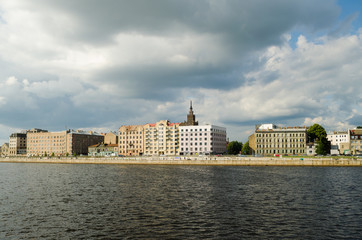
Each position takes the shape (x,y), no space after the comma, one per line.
(98,65)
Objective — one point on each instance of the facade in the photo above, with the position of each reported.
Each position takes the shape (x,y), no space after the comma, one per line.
(161,138)
(17,144)
(103,150)
(4,150)
(271,140)
(355,141)
(205,139)
(111,138)
(41,142)
(131,140)
(336,138)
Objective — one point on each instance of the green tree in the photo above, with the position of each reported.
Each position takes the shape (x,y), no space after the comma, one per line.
(53,154)
(316,131)
(234,147)
(318,135)
(246,149)
(45,154)
(323,146)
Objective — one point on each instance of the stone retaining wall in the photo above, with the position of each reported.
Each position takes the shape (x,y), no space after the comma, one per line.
(192,160)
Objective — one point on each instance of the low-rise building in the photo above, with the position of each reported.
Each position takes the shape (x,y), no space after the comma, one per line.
(202,139)
(103,150)
(17,144)
(271,140)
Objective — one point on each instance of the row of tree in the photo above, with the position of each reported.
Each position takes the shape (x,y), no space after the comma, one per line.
(315,134)
(236,147)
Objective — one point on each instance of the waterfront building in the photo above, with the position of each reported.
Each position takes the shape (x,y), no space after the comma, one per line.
(17,144)
(336,138)
(131,139)
(41,142)
(103,150)
(202,139)
(268,140)
(111,138)
(355,141)
(161,138)
(4,150)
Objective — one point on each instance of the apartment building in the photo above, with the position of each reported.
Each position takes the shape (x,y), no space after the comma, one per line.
(355,141)
(69,142)
(131,140)
(202,139)
(17,144)
(337,138)
(161,138)
(4,149)
(269,139)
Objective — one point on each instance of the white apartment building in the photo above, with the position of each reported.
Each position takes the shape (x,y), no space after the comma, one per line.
(336,138)
(204,139)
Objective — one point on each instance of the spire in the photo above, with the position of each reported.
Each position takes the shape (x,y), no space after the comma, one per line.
(190,104)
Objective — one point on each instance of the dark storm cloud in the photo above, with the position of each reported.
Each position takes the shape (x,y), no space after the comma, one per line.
(243,24)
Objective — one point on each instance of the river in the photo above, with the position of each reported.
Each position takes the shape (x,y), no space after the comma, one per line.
(93,201)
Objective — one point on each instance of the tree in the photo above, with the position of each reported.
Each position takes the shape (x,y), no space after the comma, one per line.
(316,131)
(323,146)
(234,147)
(45,154)
(246,149)
(318,135)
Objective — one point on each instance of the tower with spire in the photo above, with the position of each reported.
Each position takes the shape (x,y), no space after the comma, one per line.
(191,121)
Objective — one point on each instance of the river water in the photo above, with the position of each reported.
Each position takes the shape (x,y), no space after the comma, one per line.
(70,201)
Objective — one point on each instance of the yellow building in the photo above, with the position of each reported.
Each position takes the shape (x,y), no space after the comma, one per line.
(271,140)
(41,142)
(130,140)
(161,138)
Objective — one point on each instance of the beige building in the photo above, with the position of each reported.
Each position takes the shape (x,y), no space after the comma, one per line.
(355,141)
(4,149)
(17,144)
(42,142)
(131,139)
(161,138)
(271,140)
(111,138)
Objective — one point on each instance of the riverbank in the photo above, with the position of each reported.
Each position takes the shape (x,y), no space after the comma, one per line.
(195,160)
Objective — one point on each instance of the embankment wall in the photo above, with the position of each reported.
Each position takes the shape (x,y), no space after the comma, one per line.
(193,160)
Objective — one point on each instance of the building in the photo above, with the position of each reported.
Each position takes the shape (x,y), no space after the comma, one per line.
(336,138)
(111,138)
(103,150)
(161,138)
(191,119)
(355,141)
(131,140)
(269,140)
(17,144)
(4,150)
(69,142)
(205,139)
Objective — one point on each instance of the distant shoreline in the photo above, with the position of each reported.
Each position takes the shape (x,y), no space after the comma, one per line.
(195,160)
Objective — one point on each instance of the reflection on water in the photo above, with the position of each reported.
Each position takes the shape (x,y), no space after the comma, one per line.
(45,201)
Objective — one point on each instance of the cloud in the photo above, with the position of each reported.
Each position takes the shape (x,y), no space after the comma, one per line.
(99,64)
